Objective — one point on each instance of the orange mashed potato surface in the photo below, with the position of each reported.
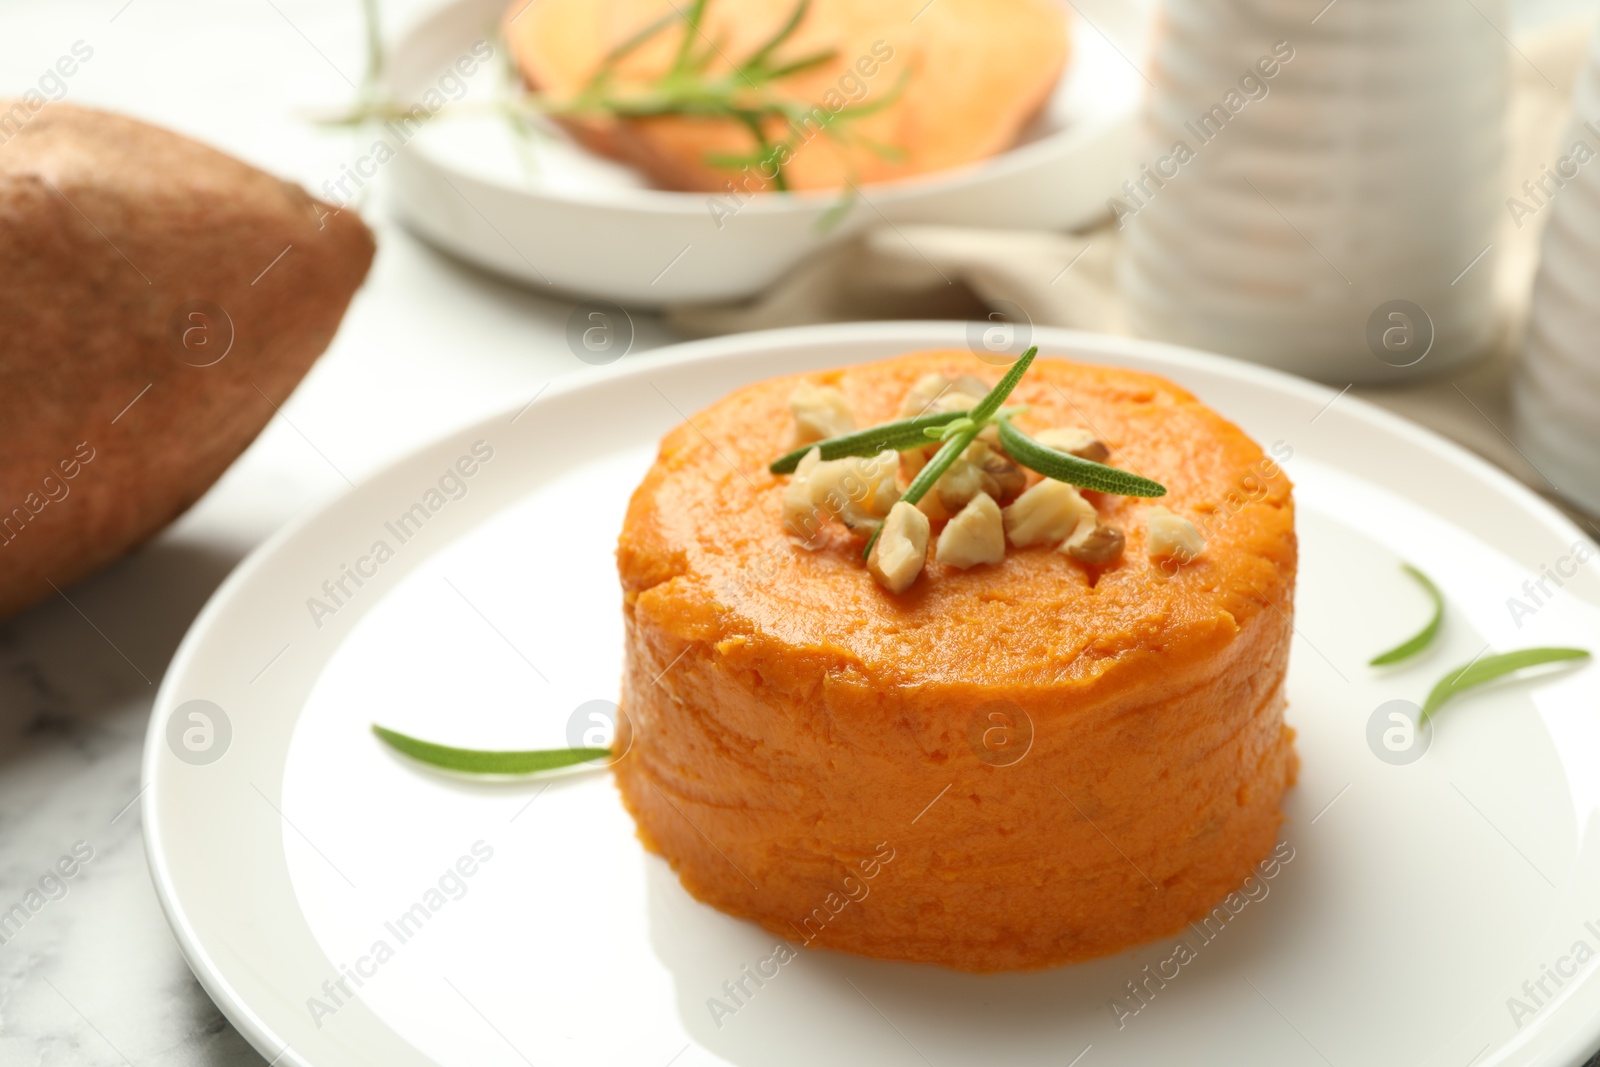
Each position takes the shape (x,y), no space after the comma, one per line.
(1057,762)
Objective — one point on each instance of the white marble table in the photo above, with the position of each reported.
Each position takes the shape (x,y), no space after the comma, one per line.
(95,978)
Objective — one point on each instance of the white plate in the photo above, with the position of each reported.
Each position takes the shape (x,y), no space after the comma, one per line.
(555,214)
(1419,897)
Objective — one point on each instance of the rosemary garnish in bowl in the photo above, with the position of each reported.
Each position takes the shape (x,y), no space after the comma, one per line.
(690,88)
(745,91)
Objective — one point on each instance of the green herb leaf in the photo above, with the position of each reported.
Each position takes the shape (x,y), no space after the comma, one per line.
(975,421)
(872,107)
(1488,669)
(949,430)
(744,93)
(758,59)
(958,429)
(1424,637)
(928,475)
(1073,470)
(476,761)
(900,435)
(631,45)
(990,404)
(837,211)
(804,63)
(887,152)
(940,463)
(691,28)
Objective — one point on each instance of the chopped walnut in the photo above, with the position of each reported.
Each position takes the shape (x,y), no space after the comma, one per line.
(901,549)
(976,535)
(801,519)
(924,392)
(931,506)
(820,412)
(1171,536)
(999,468)
(968,503)
(1047,514)
(979,469)
(959,484)
(1076,441)
(1095,544)
(935,394)
(857,490)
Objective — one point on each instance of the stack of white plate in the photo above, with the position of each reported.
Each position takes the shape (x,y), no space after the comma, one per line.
(1557,394)
(1336,217)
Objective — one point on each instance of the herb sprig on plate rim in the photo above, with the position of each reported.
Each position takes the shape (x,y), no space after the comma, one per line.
(487,762)
(1419,642)
(1479,671)
(1487,669)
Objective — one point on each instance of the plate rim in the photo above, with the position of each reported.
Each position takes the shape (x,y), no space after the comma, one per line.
(925,333)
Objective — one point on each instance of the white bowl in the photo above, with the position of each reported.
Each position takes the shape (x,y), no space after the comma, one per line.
(553,214)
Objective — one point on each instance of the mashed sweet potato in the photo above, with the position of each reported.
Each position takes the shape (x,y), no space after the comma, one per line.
(1059,761)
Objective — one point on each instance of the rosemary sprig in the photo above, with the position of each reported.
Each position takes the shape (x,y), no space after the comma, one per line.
(931,473)
(478,761)
(899,435)
(758,59)
(958,435)
(958,429)
(1488,669)
(1423,637)
(745,94)
(990,404)
(1065,467)
(687,82)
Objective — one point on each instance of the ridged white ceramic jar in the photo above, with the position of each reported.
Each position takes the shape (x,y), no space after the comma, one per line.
(1556,397)
(1320,188)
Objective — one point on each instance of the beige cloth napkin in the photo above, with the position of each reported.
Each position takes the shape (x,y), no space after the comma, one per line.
(914,272)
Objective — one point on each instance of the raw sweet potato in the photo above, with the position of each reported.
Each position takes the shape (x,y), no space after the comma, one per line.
(956,81)
(161,297)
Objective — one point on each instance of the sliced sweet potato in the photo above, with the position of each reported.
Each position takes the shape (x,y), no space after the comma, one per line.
(161,298)
(956,80)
